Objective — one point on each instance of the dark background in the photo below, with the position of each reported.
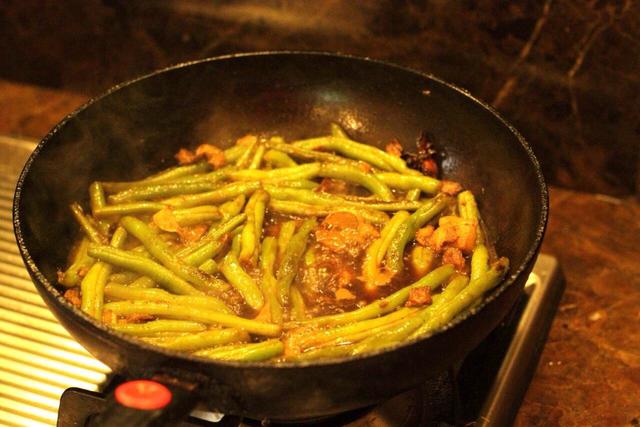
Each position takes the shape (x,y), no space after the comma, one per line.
(565,72)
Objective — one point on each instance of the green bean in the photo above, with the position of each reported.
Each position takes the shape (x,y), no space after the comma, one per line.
(394,225)
(245,157)
(122,292)
(196,215)
(123,278)
(471,293)
(328,199)
(353,174)
(194,314)
(240,280)
(410,182)
(432,280)
(298,183)
(252,230)
(468,209)
(287,230)
(269,283)
(211,177)
(158,326)
(279,159)
(128,209)
(232,207)
(291,259)
(92,285)
(394,334)
(329,352)
(479,261)
(163,176)
(143,282)
(306,154)
(413,195)
(227,192)
(163,253)
(209,266)
(87,225)
(407,230)
(375,253)
(298,306)
(96,196)
(81,262)
(201,340)
(257,352)
(345,333)
(305,171)
(303,209)
(338,132)
(233,153)
(257,157)
(155,191)
(161,275)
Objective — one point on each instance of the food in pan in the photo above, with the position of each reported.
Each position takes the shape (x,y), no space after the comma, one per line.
(275,251)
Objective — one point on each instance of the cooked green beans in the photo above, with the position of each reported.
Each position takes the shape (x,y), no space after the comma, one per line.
(275,251)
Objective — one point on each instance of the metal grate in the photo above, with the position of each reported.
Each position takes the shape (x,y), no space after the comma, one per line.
(38,358)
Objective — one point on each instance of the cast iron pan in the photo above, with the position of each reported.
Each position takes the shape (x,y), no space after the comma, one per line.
(135,128)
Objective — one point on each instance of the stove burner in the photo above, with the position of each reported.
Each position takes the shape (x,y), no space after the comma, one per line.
(486,388)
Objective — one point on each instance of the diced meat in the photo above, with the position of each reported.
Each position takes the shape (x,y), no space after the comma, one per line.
(334,186)
(73,296)
(185,157)
(418,297)
(454,257)
(344,294)
(214,155)
(450,187)
(137,318)
(454,231)
(109,317)
(345,232)
(423,234)
(191,234)
(165,220)
(394,148)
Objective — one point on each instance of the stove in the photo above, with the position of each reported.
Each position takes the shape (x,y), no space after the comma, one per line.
(39,360)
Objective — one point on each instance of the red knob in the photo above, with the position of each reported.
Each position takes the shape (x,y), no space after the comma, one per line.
(143,394)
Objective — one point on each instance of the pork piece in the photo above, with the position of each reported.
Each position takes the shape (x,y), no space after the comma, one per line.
(394,148)
(456,232)
(73,296)
(418,297)
(214,155)
(450,187)
(333,186)
(345,233)
(454,257)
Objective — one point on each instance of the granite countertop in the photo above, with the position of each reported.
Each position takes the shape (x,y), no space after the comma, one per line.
(589,372)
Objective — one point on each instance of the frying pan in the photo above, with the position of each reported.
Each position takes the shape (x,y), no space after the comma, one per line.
(135,128)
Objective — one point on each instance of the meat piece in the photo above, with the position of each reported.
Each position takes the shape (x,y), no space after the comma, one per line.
(185,157)
(334,186)
(454,231)
(191,234)
(394,148)
(418,297)
(73,296)
(344,294)
(345,232)
(214,155)
(137,318)
(454,257)
(423,235)
(450,187)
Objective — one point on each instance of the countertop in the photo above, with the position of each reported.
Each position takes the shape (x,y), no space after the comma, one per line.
(589,372)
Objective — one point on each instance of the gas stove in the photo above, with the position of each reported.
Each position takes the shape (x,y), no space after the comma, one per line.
(39,360)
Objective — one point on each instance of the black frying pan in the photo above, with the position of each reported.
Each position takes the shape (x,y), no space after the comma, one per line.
(136,128)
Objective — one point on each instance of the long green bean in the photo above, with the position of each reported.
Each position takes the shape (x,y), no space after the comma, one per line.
(269,284)
(96,196)
(245,352)
(144,266)
(252,230)
(408,228)
(291,259)
(353,174)
(86,224)
(155,191)
(303,209)
(128,209)
(122,292)
(224,193)
(81,262)
(279,159)
(162,252)
(194,314)
(305,171)
(158,326)
(163,176)
(410,182)
(201,340)
(240,280)
(468,209)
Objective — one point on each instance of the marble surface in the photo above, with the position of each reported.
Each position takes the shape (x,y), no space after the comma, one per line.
(589,372)
(565,72)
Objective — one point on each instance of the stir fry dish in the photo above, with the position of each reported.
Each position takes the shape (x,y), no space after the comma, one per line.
(282,251)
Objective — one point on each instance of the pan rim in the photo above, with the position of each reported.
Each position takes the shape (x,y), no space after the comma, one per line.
(91,323)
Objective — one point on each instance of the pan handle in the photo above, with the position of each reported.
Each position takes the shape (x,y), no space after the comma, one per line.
(146,403)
